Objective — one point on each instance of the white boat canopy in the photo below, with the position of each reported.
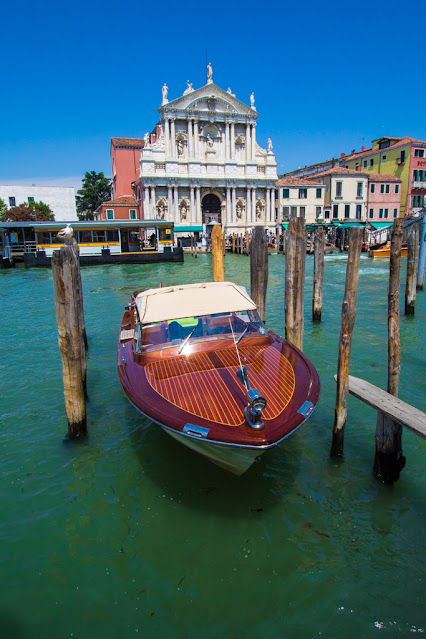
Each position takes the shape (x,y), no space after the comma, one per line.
(191,300)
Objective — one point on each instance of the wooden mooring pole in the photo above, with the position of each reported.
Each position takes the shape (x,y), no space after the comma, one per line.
(389,460)
(319,250)
(422,255)
(259,269)
(70,320)
(217,254)
(348,321)
(295,257)
(412,263)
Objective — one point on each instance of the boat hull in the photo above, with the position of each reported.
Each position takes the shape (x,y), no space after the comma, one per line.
(232,458)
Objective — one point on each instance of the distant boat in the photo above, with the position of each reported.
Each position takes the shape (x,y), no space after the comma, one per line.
(385,251)
(198,360)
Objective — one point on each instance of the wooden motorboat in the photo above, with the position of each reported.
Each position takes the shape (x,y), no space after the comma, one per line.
(198,360)
(385,250)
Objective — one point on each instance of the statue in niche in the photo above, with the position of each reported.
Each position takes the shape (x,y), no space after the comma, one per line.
(183,211)
(252,100)
(189,89)
(179,145)
(161,210)
(239,210)
(165,90)
(146,140)
(209,141)
(269,145)
(259,210)
(209,73)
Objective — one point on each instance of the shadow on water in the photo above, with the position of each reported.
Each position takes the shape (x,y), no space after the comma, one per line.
(189,478)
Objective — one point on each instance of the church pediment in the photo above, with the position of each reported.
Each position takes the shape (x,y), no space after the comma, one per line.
(209,99)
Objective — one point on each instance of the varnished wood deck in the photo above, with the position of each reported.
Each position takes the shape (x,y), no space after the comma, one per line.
(206,385)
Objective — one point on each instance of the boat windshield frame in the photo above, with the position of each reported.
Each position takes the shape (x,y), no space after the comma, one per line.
(205,328)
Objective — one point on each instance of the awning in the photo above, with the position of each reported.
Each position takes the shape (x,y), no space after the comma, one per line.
(350,225)
(380,225)
(191,300)
(189,229)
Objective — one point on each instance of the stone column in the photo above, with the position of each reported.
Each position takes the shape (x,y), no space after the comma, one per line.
(248,207)
(248,142)
(253,142)
(173,140)
(191,196)
(170,202)
(273,205)
(146,210)
(268,206)
(234,205)
(167,136)
(227,141)
(153,211)
(253,205)
(228,205)
(198,200)
(232,140)
(176,203)
(190,143)
(196,141)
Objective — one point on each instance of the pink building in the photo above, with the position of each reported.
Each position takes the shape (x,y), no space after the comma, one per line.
(384,197)
(120,208)
(125,156)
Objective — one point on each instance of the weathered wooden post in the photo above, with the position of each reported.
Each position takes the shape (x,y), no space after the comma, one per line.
(233,242)
(319,250)
(295,257)
(192,245)
(422,255)
(66,278)
(217,254)
(348,321)
(259,269)
(412,263)
(247,243)
(389,460)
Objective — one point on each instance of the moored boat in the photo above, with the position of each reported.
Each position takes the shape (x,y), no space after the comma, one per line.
(385,250)
(197,360)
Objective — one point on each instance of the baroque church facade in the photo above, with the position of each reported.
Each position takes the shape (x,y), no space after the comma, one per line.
(202,163)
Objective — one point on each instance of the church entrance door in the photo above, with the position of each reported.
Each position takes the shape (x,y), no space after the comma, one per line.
(210,207)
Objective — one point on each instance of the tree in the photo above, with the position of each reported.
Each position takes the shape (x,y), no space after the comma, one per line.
(3,210)
(29,212)
(95,190)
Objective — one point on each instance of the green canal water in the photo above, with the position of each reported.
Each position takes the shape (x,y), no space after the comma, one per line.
(129,534)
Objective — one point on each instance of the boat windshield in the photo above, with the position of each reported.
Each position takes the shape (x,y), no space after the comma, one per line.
(167,334)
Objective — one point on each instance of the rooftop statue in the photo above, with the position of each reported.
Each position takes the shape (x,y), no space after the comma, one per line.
(269,145)
(209,73)
(165,90)
(252,100)
(189,89)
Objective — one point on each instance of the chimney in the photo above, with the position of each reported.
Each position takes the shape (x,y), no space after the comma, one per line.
(342,155)
(363,148)
(353,151)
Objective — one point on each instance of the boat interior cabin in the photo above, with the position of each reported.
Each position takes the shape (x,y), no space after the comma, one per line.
(171,333)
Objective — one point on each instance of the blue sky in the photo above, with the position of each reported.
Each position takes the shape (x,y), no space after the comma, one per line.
(327,77)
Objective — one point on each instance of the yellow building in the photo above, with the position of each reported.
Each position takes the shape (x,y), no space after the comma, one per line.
(404,158)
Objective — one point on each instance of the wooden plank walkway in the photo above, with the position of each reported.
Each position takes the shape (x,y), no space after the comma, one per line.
(394,408)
